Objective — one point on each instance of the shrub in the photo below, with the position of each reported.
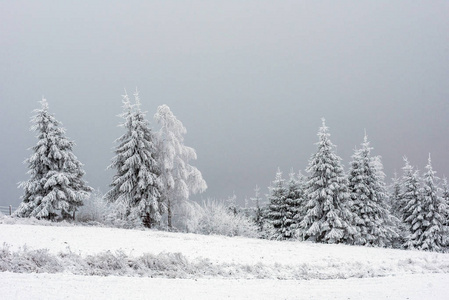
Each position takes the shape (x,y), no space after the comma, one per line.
(96,210)
(213,217)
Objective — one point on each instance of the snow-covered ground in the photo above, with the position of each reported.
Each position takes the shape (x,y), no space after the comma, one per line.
(396,274)
(66,286)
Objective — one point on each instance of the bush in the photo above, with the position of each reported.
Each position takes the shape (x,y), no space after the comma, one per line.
(29,261)
(96,210)
(213,217)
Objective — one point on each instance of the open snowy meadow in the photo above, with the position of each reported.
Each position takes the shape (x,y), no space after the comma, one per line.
(40,261)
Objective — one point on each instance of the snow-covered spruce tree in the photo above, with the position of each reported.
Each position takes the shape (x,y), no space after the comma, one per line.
(395,197)
(135,187)
(55,188)
(328,218)
(258,211)
(425,216)
(179,178)
(293,201)
(410,194)
(278,209)
(246,209)
(445,196)
(396,209)
(373,221)
(299,204)
(116,194)
(231,204)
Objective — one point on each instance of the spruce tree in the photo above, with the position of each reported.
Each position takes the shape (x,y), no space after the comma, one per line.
(258,211)
(135,187)
(410,194)
(374,223)
(395,197)
(55,188)
(396,209)
(425,216)
(231,205)
(328,218)
(296,202)
(278,208)
(445,196)
(118,194)
(293,202)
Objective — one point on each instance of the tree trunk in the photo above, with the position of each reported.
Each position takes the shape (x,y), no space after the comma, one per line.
(169,213)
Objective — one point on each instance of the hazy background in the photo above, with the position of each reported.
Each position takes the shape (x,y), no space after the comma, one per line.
(249,79)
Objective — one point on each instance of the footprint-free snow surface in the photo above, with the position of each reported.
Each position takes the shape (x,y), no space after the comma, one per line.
(190,266)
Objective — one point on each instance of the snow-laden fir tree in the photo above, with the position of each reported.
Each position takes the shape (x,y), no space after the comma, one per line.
(396,209)
(278,209)
(55,188)
(328,218)
(410,191)
(395,197)
(116,194)
(300,204)
(425,215)
(445,196)
(135,187)
(295,203)
(231,204)
(373,221)
(258,210)
(247,209)
(179,178)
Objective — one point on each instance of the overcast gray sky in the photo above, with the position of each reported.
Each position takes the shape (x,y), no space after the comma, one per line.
(250,80)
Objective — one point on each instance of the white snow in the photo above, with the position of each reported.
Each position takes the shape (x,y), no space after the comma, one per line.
(66,286)
(408,273)
(219,249)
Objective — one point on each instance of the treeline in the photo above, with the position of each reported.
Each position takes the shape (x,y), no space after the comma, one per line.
(153,177)
(357,208)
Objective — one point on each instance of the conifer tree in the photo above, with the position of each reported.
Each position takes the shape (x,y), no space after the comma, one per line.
(296,202)
(445,196)
(136,185)
(410,194)
(116,194)
(55,188)
(396,209)
(374,223)
(328,218)
(395,197)
(425,215)
(278,209)
(293,201)
(258,213)
(231,204)
(247,209)
(179,178)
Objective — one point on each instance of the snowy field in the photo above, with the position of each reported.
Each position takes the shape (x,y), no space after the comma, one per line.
(66,286)
(246,267)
